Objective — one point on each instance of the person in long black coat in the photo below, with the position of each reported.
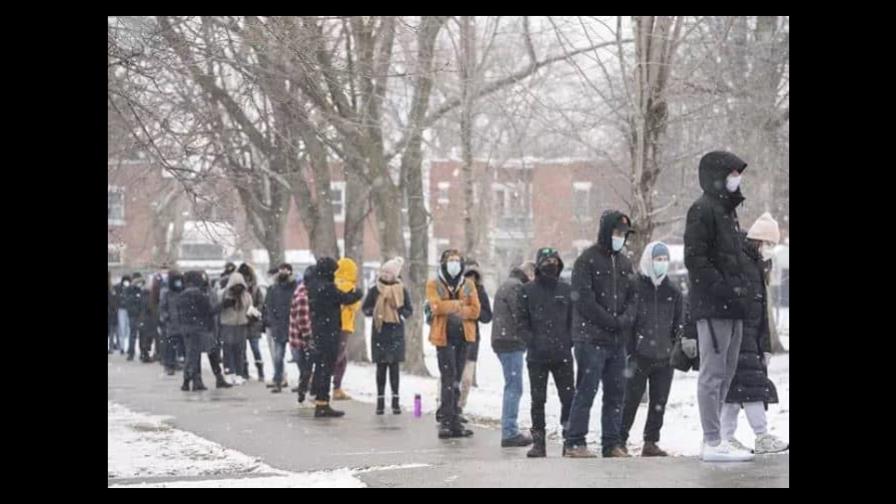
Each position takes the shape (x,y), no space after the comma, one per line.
(325,302)
(387,346)
(751,388)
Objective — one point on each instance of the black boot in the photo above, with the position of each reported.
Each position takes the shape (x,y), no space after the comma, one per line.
(380,405)
(169,371)
(323,410)
(186,386)
(538,449)
(458,430)
(198,385)
(220,382)
(396,408)
(277,389)
(444,430)
(260,367)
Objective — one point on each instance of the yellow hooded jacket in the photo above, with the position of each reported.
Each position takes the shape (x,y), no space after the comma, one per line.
(346,280)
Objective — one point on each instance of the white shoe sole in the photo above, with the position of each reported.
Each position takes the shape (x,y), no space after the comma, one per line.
(765,452)
(729,457)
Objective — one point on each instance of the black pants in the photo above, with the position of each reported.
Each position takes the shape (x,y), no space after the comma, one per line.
(192,363)
(538,381)
(305,361)
(133,336)
(659,374)
(381,369)
(169,358)
(147,333)
(325,358)
(452,358)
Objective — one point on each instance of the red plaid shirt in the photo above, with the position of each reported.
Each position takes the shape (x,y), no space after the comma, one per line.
(299,318)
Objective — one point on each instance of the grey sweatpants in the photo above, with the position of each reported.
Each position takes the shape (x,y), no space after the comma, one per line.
(716,371)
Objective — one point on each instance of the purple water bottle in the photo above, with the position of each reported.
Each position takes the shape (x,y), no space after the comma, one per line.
(418,407)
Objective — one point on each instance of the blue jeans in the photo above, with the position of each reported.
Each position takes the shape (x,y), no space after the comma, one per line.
(598,364)
(124,329)
(512,364)
(279,355)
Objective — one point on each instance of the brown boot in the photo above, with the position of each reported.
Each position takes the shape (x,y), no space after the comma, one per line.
(616,452)
(340,395)
(652,450)
(580,451)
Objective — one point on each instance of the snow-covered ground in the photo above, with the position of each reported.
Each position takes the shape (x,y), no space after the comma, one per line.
(144,448)
(681,434)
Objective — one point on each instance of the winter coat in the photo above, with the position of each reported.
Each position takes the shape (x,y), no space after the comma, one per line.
(485,317)
(300,317)
(660,313)
(255,324)
(276,308)
(346,280)
(113,308)
(603,295)
(133,300)
(713,244)
(507,308)
(443,303)
(325,301)
(387,345)
(194,311)
(233,309)
(751,382)
(168,306)
(545,322)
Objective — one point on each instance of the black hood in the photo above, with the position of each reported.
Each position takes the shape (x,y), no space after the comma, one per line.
(714,169)
(519,274)
(544,254)
(326,268)
(193,279)
(608,222)
(174,275)
(309,274)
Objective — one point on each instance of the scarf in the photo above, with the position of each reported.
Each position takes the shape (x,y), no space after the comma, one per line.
(390,299)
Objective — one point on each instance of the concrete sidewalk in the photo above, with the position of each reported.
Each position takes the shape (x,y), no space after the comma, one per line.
(274,428)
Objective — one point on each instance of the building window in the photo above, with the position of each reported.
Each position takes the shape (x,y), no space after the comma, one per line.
(116,254)
(116,206)
(337,197)
(581,201)
(443,192)
(201,251)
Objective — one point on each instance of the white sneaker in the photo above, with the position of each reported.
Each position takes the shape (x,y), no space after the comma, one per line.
(738,445)
(767,443)
(238,380)
(725,452)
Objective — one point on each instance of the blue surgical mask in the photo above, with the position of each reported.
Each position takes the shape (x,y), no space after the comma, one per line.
(618,242)
(453,268)
(660,268)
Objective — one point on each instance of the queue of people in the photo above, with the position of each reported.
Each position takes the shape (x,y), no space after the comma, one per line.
(611,327)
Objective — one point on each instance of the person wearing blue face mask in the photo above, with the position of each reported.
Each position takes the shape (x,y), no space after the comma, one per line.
(658,322)
(603,312)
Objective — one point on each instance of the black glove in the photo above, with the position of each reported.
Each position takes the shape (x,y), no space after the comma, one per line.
(228,303)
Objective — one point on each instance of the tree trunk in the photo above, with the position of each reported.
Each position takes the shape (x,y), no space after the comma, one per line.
(467,68)
(356,198)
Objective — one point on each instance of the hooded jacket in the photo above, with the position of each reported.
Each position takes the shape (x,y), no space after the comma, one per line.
(277,302)
(325,302)
(233,308)
(448,296)
(545,322)
(346,280)
(713,244)
(660,313)
(507,307)
(603,294)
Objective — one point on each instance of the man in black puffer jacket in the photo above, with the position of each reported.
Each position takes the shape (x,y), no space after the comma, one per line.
(714,256)
(325,302)
(659,321)
(603,312)
(546,327)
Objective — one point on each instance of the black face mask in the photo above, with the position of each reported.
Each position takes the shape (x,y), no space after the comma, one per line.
(238,289)
(283,277)
(551,270)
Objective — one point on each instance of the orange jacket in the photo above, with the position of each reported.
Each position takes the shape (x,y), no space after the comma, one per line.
(442,305)
(346,280)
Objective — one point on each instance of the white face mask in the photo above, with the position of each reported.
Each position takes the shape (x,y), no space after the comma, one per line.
(453,268)
(618,242)
(767,252)
(732,183)
(126,283)
(660,268)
